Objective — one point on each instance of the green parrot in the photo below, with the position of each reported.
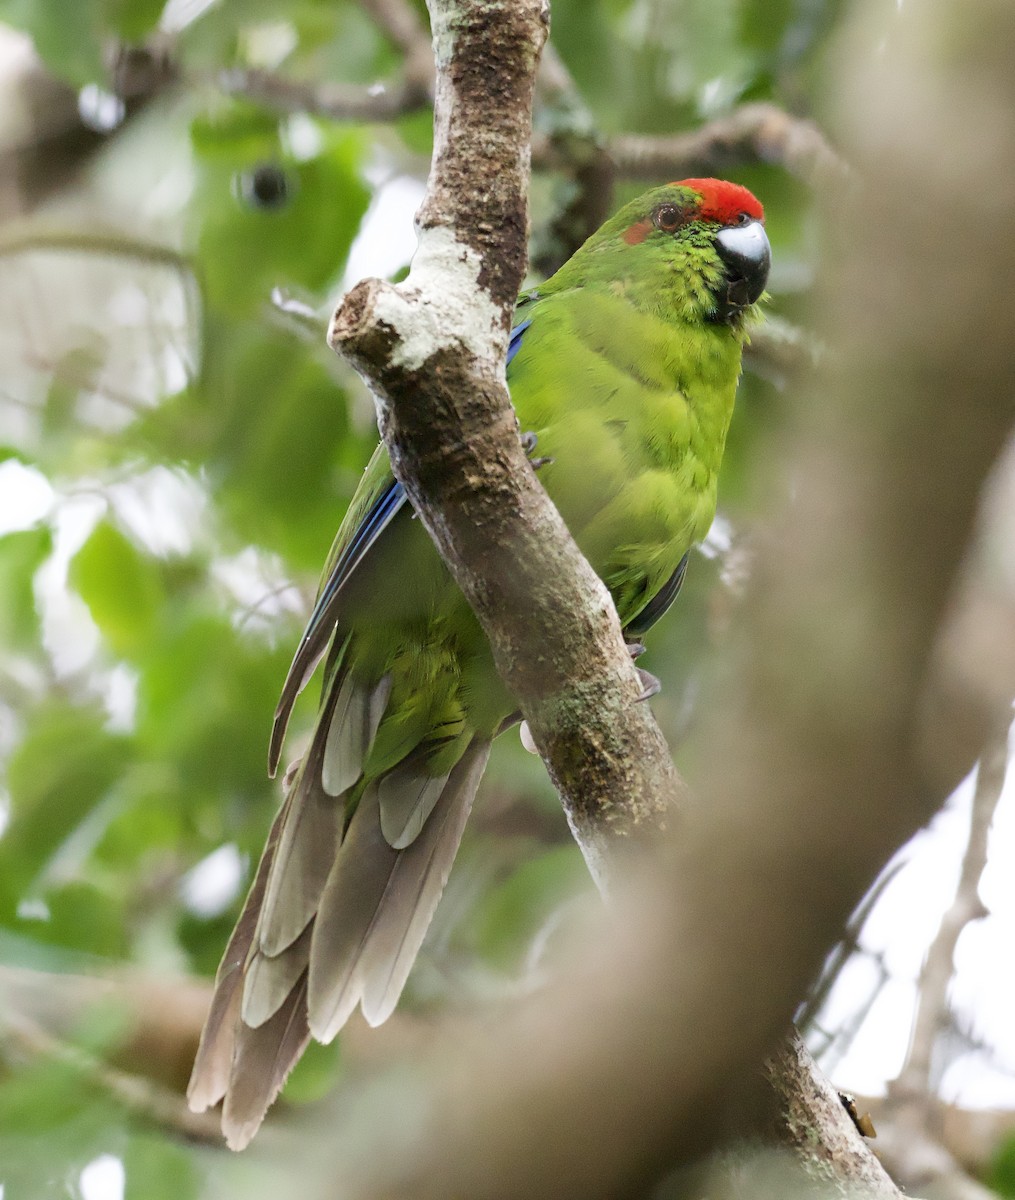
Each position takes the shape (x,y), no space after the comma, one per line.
(622,369)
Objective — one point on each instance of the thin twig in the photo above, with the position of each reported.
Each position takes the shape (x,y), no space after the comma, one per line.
(913,1086)
(33,238)
(334,101)
(751,133)
(781,352)
(846,948)
(912,1128)
(142,1097)
(401,23)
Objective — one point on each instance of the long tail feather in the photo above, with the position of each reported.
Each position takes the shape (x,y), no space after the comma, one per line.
(407,796)
(310,838)
(210,1076)
(269,980)
(409,906)
(330,921)
(261,1064)
(379,902)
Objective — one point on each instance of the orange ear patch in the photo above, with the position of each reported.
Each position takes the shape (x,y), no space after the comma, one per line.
(637,232)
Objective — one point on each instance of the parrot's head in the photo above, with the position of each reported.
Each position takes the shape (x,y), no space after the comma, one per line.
(698,244)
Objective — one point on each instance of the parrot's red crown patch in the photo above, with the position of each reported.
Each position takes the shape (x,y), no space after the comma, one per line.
(723,201)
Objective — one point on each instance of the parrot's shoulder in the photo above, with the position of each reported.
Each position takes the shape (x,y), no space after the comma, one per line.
(379,495)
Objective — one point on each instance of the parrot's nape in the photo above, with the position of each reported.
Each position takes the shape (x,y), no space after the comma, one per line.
(623,368)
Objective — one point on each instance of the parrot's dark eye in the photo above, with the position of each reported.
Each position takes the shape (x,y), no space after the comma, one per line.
(744,219)
(667,217)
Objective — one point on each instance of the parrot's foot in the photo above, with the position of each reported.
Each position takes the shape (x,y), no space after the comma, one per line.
(529,443)
(650,685)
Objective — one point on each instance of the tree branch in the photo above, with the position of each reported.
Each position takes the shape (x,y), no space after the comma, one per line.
(348,102)
(401,23)
(782,352)
(34,237)
(751,133)
(145,1067)
(914,1085)
(333,101)
(432,349)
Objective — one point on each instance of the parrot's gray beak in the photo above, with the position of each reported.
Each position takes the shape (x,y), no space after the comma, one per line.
(747,256)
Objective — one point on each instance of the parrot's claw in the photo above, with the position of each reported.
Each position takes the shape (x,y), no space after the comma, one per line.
(529,443)
(650,685)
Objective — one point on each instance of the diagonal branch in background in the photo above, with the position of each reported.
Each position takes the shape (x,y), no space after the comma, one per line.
(401,23)
(914,1083)
(761,133)
(814,776)
(144,1066)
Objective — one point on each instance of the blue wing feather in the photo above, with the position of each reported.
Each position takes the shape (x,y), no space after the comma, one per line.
(370,528)
(324,617)
(516,339)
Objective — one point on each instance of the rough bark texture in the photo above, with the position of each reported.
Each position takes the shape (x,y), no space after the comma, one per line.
(432,349)
(808,1119)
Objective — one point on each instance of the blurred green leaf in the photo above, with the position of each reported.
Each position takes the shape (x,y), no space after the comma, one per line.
(121,586)
(67,36)
(21,555)
(1000,1176)
(297,232)
(86,918)
(511,914)
(45,1097)
(416,131)
(314,1075)
(157,1169)
(785,32)
(132,20)
(234,130)
(205,700)
(57,776)
(763,23)
(277,454)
